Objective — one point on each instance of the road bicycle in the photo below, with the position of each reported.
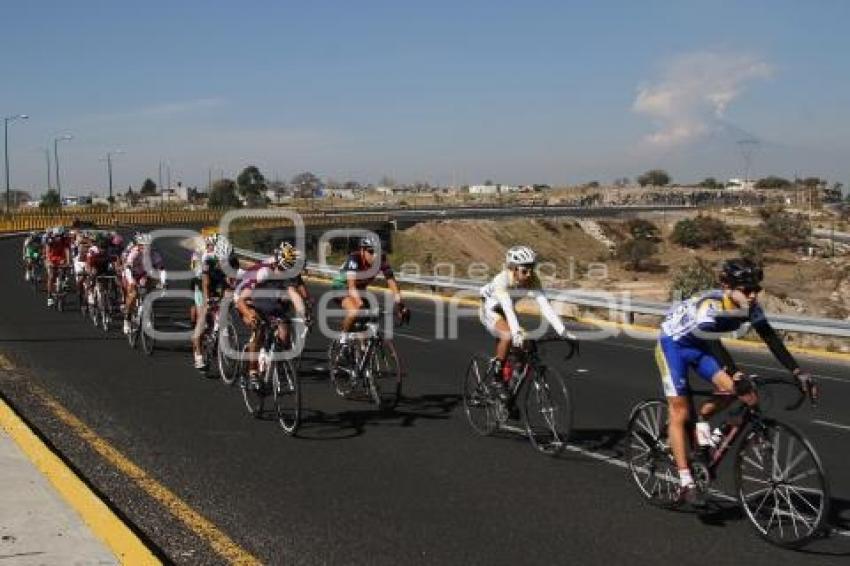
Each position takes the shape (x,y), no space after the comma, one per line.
(103,308)
(780,482)
(367,363)
(34,266)
(537,404)
(141,324)
(277,377)
(61,287)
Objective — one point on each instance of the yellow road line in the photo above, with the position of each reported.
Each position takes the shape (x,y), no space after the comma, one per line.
(95,513)
(223,545)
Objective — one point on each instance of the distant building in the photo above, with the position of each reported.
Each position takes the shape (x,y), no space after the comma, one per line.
(492,189)
(341,192)
(740,185)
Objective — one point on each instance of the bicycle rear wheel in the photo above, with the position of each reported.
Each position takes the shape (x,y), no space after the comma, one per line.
(782,485)
(228,365)
(384,376)
(548,412)
(477,401)
(648,456)
(287,396)
(341,360)
(146,330)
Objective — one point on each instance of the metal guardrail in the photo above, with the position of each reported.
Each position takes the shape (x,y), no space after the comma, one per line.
(618,303)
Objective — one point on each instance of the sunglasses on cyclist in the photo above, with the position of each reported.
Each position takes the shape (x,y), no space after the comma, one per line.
(525,269)
(751,289)
(368,250)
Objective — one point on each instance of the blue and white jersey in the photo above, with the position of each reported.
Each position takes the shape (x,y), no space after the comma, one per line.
(711,312)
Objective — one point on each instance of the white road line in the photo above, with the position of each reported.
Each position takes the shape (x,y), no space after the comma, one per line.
(412,337)
(833,425)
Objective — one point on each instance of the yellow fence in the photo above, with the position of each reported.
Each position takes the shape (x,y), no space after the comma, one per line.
(38,221)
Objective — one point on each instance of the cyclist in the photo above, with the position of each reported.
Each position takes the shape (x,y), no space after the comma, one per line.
(57,251)
(33,246)
(208,284)
(497,313)
(97,264)
(356,274)
(80,250)
(136,275)
(690,338)
(267,291)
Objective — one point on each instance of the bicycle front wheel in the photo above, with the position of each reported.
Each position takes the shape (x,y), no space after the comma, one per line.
(385,376)
(648,456)
(477,401)
(227,354)
(782,485)
(548,412)
(255,398)
(287,396)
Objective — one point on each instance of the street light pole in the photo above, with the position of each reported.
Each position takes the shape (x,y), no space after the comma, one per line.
(47,161)
(108,160)
(6,121)
(56,141)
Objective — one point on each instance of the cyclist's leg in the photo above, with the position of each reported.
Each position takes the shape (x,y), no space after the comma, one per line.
(724,384)
(352,306)
(198,316)
(673,365)
(499,328)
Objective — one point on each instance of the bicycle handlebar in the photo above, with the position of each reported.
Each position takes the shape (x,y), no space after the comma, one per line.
(802,393)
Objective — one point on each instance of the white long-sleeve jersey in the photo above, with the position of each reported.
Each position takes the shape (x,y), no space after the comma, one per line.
(501,293)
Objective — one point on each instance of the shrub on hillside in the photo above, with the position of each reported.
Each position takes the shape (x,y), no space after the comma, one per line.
(691,278)
(702,231)
(640,229)
(783,230)
(635,253)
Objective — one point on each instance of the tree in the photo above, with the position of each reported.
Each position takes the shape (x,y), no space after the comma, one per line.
(783,230)
(654,178)
(306,185)
(592,185)
(49,200)
(640,229)
(700,231)
(131,196)
(634,253)
(148,188)
(773,182)
(251,184)
(691,278)
(710,183)
(224,194)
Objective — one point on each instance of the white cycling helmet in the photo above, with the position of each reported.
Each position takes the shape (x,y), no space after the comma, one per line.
(520,255)
(223,248)
(144,239)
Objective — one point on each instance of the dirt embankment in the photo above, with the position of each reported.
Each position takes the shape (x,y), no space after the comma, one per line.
(476,248)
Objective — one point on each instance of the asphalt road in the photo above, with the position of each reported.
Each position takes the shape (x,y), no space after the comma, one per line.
(359,487)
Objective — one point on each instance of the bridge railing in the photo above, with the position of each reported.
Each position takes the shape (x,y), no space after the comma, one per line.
(598,299)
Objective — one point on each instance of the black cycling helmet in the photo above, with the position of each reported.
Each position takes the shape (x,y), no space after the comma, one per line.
(741,273)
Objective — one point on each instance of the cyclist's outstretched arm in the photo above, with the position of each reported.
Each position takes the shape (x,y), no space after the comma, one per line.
(393,286)
(776,345)
(722,355)
(297,300)
(549,313)
(507,305)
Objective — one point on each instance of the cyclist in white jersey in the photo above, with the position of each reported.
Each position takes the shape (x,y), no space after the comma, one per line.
(518,280)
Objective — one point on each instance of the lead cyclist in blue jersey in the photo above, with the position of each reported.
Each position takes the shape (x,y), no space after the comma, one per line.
(690,338)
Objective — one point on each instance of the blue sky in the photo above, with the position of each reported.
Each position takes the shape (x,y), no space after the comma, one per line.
(558,92)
